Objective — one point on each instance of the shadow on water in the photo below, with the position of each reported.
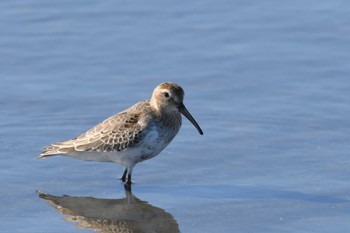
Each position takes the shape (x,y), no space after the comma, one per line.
(128,214)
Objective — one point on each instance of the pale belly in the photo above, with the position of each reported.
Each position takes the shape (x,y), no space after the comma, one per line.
(148,148)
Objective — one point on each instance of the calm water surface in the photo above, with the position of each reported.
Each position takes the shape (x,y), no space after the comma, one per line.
(267,81)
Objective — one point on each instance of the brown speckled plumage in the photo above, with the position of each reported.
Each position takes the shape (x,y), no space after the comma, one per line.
(133,135)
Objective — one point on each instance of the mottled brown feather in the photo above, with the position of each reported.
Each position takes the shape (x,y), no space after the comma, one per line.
(117,133)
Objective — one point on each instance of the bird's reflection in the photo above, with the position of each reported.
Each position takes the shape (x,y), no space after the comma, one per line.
(128,214)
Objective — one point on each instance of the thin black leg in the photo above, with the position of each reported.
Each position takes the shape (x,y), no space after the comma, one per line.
(127,188)
(124,175)
(129,179)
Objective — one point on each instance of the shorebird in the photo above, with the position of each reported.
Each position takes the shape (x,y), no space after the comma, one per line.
(136,134)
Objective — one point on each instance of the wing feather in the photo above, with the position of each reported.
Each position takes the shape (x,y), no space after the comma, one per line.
(117,133)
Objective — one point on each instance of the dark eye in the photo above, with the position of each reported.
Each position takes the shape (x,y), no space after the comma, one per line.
(166,94)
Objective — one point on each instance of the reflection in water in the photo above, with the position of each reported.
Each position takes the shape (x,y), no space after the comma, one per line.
(128,214)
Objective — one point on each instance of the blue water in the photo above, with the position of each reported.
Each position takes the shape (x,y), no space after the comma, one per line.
(268,82)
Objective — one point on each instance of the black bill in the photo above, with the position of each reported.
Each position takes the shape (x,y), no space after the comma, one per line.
(188,115)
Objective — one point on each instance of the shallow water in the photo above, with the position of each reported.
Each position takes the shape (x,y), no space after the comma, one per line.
(267,81)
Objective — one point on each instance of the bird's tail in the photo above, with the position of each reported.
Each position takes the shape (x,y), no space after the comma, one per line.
(48,151)
(56,149)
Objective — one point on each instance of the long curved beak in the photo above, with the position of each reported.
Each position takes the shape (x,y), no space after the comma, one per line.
(187,114)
